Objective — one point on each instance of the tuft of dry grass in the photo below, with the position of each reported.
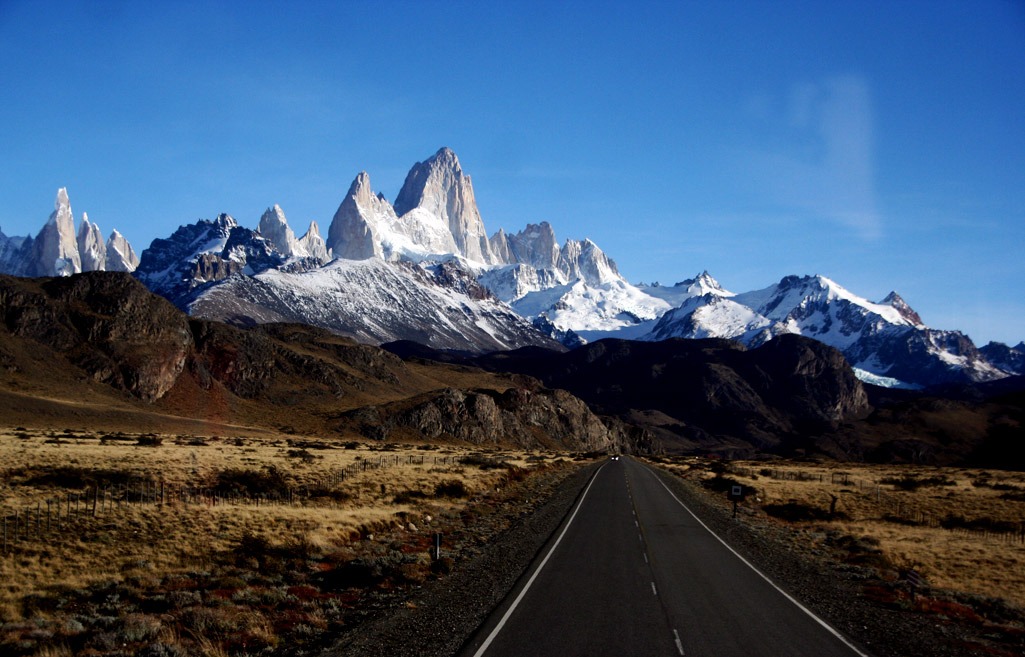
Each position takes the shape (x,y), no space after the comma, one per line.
(237,566)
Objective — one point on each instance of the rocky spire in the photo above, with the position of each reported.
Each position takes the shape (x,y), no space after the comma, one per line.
(314,244)
(274,227)
(55,249)
(584,260)
(91,248)
(120,255)
(500,248)
(439,186)
(355,229)
(535,245)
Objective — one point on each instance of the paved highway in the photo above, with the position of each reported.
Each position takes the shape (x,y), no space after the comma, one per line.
(632,572)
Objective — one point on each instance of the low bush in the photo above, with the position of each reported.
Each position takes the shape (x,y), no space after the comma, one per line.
(453,488)
(910,483)
(954,521)
(796,512)
(251,483)
(483,462)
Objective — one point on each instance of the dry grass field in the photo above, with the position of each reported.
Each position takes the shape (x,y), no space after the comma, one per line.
(228,545)
(961,529)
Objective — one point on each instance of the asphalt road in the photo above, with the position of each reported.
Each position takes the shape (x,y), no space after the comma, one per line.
(632,572)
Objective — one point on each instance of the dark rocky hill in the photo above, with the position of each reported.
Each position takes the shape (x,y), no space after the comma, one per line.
(105,337)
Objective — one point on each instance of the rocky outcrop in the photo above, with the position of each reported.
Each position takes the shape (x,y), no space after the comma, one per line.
(313,244)
(201,254)
(708,393)
(528,417)
(1008,359)
(535,245)
(107,324)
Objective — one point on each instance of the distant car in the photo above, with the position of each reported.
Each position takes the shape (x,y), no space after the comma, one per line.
(615,457)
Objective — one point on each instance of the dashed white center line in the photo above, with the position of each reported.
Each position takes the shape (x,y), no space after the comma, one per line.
(679,644)
(654,591)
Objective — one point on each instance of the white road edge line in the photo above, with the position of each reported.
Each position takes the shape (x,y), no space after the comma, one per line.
(508,612)
(679,644)
(773,584)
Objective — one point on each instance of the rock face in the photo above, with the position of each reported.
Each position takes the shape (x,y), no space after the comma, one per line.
(314,244)
(201,254)
(55,249)
(439,187)
(355,232)
(120,255)
(108,328)
(91,248)
(274,227)
(1009,359)
(523,416)
(107,324)
(705,394)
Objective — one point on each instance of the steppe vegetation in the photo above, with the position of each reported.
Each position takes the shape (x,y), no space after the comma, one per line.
(191,545)
(958,533)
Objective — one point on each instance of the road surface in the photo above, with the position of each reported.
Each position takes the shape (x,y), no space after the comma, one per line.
(633,573)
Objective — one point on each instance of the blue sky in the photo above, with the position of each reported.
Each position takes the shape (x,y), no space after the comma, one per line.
(881,144)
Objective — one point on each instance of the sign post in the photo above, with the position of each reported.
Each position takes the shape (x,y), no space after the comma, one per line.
(736,494)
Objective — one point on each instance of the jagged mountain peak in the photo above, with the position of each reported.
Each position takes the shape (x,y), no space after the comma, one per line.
(58,249)
(61,205)
(704,283)
(907,312)
(357,229)
(438,188)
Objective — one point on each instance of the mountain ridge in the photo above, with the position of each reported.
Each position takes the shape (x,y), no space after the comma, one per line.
(434,236)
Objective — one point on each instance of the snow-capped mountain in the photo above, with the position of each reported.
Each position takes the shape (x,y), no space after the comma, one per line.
(216,269)
(59,251)
(424,269)
(202,254)
(375,300)
(885,340)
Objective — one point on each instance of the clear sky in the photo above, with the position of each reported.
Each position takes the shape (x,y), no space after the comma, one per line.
(881,144)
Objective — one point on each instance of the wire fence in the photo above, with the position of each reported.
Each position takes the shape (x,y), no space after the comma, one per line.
(72,511)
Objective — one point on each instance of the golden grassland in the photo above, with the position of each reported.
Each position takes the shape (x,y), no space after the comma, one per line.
(917,516)
(399,486)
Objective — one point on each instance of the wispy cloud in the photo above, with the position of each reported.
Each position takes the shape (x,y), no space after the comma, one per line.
(820,157)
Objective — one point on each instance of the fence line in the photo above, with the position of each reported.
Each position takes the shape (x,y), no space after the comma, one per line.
(67,511)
